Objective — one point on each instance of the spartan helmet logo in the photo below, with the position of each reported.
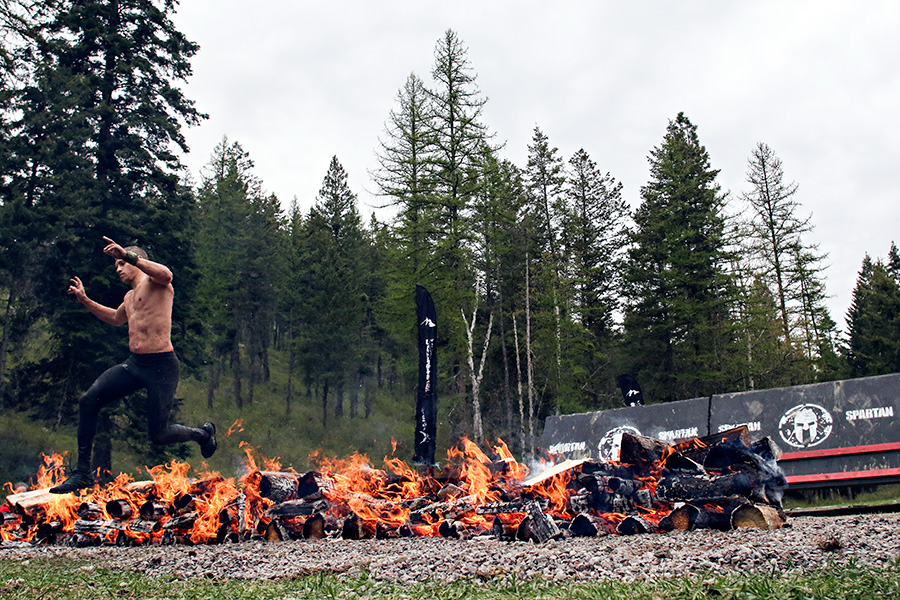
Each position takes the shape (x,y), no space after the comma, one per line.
(805,425)
(611,443)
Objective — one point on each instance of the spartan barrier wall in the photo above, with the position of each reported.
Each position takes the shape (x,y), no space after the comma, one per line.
(835,433)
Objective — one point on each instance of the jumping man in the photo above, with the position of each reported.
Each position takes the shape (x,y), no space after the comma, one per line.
(147,308)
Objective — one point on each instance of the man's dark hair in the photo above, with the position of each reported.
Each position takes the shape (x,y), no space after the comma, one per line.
(137,250)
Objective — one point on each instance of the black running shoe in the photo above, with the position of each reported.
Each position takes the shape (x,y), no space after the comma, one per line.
(78,480)
(208,447)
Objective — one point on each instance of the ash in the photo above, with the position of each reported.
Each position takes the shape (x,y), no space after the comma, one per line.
(804,545)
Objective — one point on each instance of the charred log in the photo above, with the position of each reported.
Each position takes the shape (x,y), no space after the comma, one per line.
(89,511)
(152,511)
(297,508)
(634,525)
(313,485)
(120,510)
(541,526)
(694,487)
(277,531)
(642,451)
(586,524)
(278,486)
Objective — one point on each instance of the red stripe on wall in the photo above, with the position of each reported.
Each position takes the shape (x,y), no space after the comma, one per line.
(840,451)
(840,476)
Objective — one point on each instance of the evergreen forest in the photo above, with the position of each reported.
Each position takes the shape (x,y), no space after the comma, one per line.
(298,327)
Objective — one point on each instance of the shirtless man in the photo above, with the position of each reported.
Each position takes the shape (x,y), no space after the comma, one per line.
(147,308)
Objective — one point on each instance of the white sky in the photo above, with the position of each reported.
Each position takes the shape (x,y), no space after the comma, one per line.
(296,82)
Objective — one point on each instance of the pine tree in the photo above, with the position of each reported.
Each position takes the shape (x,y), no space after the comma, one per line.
(595,236)
(335,251)
(404,176)
(545,176)
(791,267)
(677,323)
(873,320)
(238,249)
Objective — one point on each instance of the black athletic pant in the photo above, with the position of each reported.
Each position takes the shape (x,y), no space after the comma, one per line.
(158,374)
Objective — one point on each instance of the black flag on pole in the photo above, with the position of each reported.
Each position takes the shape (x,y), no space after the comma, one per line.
(426,397)
(631,391)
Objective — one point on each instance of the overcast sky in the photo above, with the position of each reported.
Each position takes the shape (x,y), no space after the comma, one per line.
(297,82)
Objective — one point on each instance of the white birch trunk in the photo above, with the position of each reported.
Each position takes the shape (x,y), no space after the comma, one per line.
(477,422)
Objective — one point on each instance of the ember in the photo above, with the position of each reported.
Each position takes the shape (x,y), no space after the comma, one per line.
(723,482)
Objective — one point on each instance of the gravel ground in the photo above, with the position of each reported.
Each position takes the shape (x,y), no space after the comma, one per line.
(805,544)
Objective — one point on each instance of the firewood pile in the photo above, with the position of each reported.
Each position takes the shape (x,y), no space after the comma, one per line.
(722,482)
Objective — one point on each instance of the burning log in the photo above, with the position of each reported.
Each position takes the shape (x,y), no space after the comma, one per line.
(297,508)
(48,530)
(694,487)
(277,531)
(313,485)
(458,530)
(89,511)
(233,514)
(184,503)
(9,519)
(142,526)
(634,525)
(444,510)
(540,526)
(586,524)
(29,503)
(102,528)
(677,462)
(450,492)
(711,514)
(152,511)
(278,486)
(119,509)
(516,506)
(504,529)
(314,527)
(181,523)
(355,528)
(642,451)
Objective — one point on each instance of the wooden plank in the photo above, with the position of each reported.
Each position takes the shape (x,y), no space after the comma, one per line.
(554,470)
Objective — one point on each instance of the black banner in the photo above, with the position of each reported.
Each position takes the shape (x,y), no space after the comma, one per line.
(426,397)
(839,432)
(631,390)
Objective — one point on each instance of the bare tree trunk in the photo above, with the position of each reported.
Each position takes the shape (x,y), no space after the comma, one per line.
(522,442)
(236,368)
(476,376)
(354,392)
(528,360)
(325,404)
(215,370)
(339,400)
(7,328)
(292,359)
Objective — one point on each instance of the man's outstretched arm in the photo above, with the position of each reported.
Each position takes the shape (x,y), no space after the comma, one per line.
(113,316)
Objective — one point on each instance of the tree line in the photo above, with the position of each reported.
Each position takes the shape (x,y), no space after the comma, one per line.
(547,284)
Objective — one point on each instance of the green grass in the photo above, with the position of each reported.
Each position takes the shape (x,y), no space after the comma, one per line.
(844,496)
(65,579)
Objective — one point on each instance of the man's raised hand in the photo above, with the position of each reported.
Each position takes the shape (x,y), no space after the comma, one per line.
(76,288)
(113,249)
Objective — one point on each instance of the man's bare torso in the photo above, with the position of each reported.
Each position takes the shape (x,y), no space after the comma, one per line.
(148,308)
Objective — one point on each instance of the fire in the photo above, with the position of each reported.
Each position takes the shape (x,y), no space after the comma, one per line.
(471,493)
